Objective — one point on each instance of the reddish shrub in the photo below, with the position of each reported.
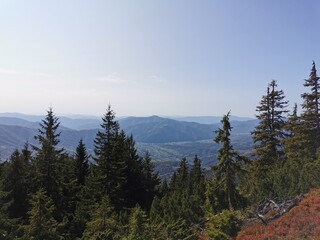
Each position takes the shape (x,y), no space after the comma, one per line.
(301,222)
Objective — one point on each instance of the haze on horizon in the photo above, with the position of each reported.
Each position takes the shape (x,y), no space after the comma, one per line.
(160,57)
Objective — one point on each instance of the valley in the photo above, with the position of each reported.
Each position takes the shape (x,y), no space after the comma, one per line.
(165,139)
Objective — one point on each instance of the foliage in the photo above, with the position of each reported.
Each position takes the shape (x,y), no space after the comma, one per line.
(223,225)
(41,224)
(138,226)
(103,221)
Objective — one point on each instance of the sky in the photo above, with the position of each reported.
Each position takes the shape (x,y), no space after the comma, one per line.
(154,57)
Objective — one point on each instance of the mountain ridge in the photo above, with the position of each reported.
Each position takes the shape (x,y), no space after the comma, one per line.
(81,122)
(167,140)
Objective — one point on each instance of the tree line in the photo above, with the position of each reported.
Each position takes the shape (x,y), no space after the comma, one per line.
(47,193)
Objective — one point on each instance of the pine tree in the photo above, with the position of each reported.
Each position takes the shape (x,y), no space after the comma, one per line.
(41,225)
(229,165)
(311,111)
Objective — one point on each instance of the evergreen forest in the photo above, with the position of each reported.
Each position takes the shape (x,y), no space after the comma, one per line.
(48,193)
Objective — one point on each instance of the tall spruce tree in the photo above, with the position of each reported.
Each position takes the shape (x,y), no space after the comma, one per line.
(110,164)
(270,132)
(311,111)
(48,156)
(229,165)
(268,139)
(49,163)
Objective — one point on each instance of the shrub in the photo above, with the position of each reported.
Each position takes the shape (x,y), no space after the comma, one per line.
(223,225)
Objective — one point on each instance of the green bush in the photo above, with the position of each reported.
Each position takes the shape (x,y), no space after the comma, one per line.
(223,225)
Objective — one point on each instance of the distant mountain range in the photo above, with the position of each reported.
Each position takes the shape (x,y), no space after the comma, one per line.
(167,140)
(83,122)
(75,123)
(209,119)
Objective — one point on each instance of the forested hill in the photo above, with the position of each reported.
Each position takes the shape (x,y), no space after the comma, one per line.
(165,139)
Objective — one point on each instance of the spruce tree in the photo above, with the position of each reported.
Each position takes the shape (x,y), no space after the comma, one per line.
(155,212)
(8,226)
(102,224)
(182,175)
(48,157)
(16,183)
(270,132)
(311,111)
(197,191)
(81,168)
(141,182)
(26,154)
(52,166)
(268,139)
(294,140)
(110,164)
(138,225)
(229,165)
(285,178)
(42,224)
(150,182)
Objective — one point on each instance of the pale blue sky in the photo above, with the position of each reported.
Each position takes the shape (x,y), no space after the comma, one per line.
(164,57)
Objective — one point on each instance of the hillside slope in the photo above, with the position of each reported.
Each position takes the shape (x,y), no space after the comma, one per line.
(301,222)
(155,129)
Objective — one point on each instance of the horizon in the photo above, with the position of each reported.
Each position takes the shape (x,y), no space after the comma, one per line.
(201,59)
(75,116)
